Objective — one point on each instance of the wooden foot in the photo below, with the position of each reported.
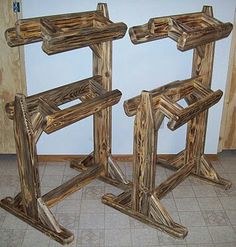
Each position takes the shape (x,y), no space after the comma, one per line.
(159,220)
(206,171)
(59,233)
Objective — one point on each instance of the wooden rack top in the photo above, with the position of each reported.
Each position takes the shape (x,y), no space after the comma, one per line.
(165,99)
(65,32)
(188,30)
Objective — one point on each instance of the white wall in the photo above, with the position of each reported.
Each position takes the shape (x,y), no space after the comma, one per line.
(135,68)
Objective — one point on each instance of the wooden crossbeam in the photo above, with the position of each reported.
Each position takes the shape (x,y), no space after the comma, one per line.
(72,185)
(188,30)
(63,118)
(58,96)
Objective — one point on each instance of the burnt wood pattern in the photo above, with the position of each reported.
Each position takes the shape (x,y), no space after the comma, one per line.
(41,112)
(196,31)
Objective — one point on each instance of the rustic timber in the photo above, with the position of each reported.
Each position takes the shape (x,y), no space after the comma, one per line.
(197,30)
(41,112)
(66,32)
(188,30)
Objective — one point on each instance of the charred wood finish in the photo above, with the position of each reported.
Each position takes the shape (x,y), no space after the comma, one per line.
(142,202)
(66,32)
(188,30)
(41,112)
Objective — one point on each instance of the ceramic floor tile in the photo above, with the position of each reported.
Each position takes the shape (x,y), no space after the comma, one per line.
(215,218)
(137,224)
(169,204)
(91,221)
(93,192)
(222,234)
(144,237)
(92,206)
(117,221)
(11,238)
(209,203)
(187,204)
(55,168)
(69,206)
(165,239)
(91,237)
(198,234)
(183,191)
(222,193)
(12,222)
(117,237)
(192,219)
(51,180)
(229,203)
(68,220)
(204,191)
(232,216)
(35,238)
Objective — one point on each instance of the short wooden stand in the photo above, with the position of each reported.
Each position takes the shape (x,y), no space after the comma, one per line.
(198,31)
(34,114)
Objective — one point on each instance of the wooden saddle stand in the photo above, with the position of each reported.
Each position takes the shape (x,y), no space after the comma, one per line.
(41,113)
(142,200)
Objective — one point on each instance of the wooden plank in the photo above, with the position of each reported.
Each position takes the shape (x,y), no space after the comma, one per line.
(75,113)
(72,185)
(227,138)
(26,157)
(12,77)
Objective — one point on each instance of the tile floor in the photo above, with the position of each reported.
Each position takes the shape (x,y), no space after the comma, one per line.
(208,212)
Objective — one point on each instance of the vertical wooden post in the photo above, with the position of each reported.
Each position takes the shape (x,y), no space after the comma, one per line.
(27,157)
(102,65)
(202,66)
(145,143)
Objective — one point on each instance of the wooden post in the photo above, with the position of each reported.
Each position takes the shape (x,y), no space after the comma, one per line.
(102,65)
(27,157)
(144,166)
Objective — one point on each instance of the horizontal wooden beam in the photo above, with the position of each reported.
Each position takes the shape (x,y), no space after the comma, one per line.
(188,30)
(63,118)
(58,96)
(174,90)
(194,109)
(72,185)
(118,157)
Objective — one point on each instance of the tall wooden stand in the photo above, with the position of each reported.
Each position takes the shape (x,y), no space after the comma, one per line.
(41,113)
(199,31)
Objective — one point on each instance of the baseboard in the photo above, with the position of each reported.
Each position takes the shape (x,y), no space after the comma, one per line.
(117,157)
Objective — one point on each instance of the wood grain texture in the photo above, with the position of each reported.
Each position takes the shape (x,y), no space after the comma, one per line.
(12,77)
(26,157)
(228,123)
(66,32)
(188,30)
(144,166)
(102,121)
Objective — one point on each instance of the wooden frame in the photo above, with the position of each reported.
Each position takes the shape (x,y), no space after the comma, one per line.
(41,113)
(142,200)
